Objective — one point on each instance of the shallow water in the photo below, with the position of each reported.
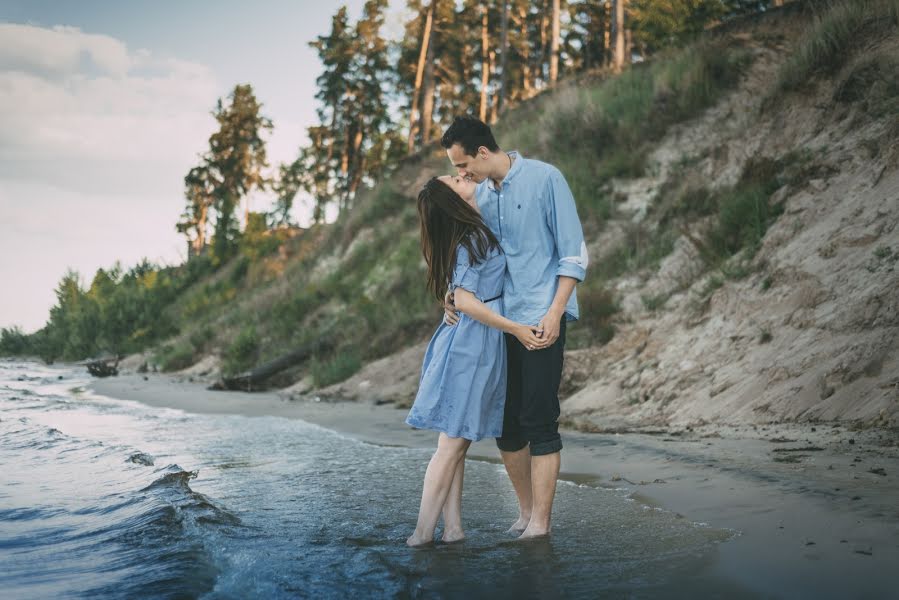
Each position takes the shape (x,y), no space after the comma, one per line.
(109,498)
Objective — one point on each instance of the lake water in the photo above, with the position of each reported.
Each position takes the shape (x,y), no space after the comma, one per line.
(106,498)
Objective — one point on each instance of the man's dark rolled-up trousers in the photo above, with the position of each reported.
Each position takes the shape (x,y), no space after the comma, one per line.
(531,413)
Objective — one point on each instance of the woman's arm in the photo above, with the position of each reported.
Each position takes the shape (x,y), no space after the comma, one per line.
(469,304)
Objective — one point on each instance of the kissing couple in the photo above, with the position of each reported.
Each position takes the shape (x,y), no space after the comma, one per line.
(504,249)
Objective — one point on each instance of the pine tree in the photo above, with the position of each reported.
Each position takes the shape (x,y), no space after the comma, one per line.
(659,23)
(336,54)
(236,160)
(286,187)
(199,190)
(367,107)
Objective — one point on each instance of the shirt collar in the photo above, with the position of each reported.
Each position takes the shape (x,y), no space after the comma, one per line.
(516,167)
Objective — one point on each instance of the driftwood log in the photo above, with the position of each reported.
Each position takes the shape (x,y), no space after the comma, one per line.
(103,367)
(248,380)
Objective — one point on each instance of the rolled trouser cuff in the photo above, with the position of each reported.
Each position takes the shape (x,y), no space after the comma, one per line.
(546,447)
(511,443)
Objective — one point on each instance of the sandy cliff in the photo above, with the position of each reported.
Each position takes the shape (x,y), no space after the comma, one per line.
(809,334)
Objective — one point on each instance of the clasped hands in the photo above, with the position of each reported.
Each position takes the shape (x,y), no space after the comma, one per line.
(538,337)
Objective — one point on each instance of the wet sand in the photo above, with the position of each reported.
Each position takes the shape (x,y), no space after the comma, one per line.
(816,506)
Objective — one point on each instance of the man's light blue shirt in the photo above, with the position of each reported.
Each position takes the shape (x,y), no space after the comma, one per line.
(534,217)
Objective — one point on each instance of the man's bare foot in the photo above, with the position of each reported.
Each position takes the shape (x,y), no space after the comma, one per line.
(454,535)
(520,525)
(533,531)
(416,541)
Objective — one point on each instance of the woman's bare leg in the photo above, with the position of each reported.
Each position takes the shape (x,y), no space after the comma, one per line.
(452,508)
(438,480)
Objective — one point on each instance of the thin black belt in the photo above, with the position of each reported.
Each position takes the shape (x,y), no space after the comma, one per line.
(492,299)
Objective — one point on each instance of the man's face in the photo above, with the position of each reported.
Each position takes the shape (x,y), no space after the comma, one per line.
(470,167)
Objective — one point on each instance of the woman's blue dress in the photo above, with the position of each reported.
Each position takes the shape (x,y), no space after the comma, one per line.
(462,389)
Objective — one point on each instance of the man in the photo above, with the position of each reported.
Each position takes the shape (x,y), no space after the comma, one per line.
(529,207)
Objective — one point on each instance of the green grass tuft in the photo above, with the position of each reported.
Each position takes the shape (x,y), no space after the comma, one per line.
(243,351)
(835,36)
(335,369)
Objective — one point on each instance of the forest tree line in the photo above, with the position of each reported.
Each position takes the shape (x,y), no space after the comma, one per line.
(380,100)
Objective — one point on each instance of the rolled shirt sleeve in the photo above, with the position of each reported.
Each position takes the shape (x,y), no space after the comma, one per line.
(566,228)
(465,275)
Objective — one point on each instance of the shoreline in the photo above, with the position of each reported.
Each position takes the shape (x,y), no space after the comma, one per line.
(815,507)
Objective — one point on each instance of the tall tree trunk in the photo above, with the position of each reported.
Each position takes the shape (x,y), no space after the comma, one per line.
(492,74)
(354,184)
(526,56)
(628,45)
(485,64)
(544,40)
(427,90)
(620,58)
(344,171)
(332,129)
(419,73)
(504,52)
(554,45)
(200,240)
(607,34)
(355,175)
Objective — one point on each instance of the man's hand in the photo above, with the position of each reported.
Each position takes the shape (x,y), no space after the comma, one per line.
(450,317)
(548,329)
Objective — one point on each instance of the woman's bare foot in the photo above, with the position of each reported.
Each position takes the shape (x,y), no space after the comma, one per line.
(454,535)
(520,525)
(416,541)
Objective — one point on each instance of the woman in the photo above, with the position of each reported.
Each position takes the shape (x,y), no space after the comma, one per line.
(463,379)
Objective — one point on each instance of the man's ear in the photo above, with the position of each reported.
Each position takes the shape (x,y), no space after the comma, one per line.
(483,152)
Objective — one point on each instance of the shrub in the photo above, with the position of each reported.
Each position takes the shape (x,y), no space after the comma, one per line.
(174,357)
(743,217)
(654,303)
(642,248)
(597,306)
(341,366)
(874,81)
(243,351)
(13,342)
(834,37)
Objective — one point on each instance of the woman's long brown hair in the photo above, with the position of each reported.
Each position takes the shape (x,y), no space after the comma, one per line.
(446,222)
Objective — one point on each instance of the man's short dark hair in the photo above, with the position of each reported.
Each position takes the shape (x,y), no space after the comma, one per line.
(471,134)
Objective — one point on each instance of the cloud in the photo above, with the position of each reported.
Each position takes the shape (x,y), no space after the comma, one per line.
(60,51)
(66,94)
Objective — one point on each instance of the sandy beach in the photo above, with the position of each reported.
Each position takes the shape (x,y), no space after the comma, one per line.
(815,508)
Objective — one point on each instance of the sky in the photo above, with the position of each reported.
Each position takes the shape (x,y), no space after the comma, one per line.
(105,106)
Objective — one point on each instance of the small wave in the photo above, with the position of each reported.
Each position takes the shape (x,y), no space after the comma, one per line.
(174,477)
(29,378)
(29,513)
(175,489)
(141,458)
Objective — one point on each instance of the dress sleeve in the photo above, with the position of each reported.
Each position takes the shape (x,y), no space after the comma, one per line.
(465,275)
